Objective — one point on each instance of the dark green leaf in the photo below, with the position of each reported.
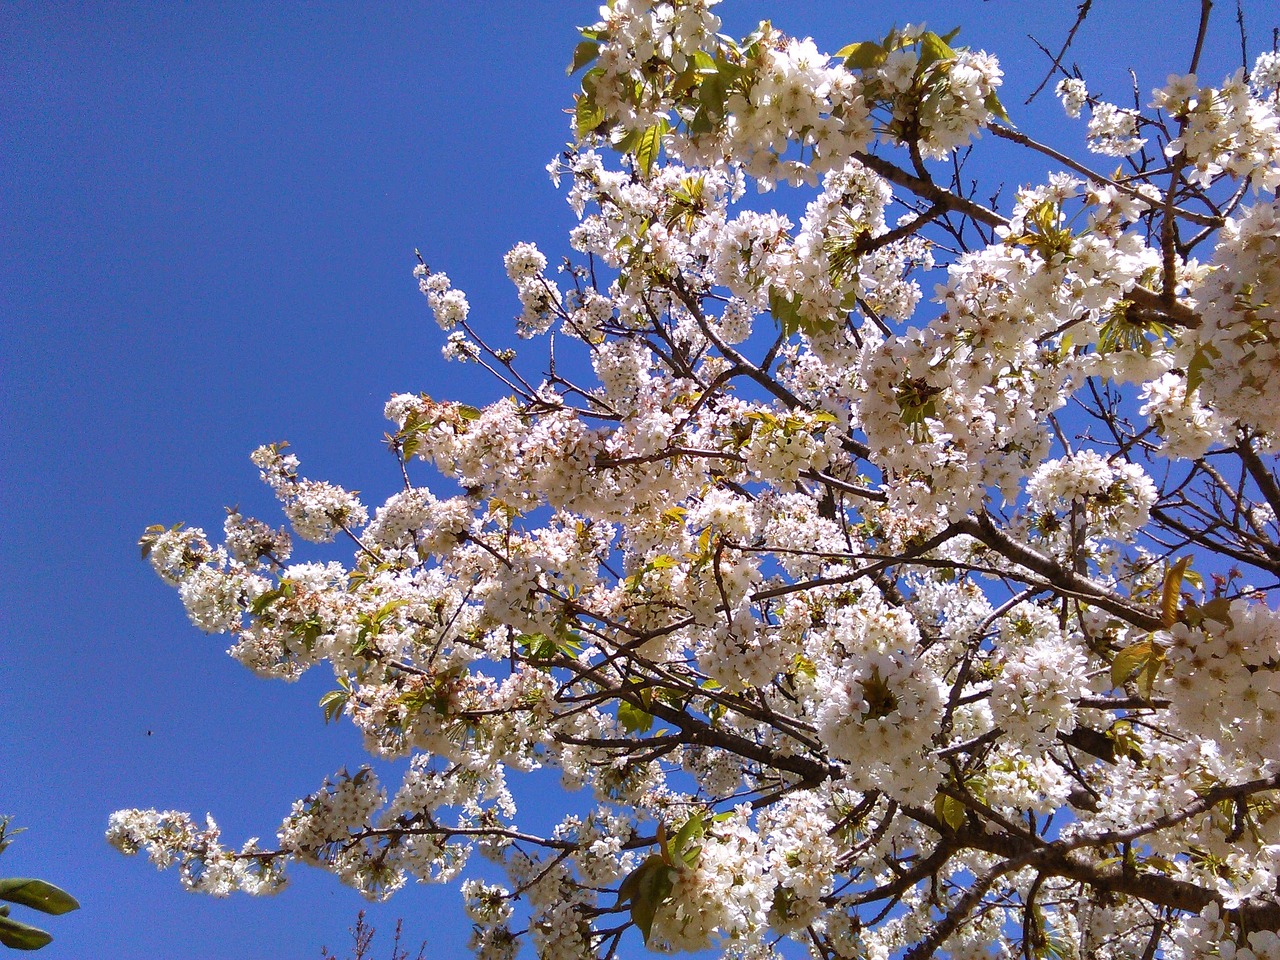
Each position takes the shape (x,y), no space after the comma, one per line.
(583,54)
(652,890)
(701,123)
(992,103)
(37,894)
(713,92)
(631,883)
(20,936)
(148,538)
(263,600)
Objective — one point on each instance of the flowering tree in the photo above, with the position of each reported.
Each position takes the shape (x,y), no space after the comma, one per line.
(893,626)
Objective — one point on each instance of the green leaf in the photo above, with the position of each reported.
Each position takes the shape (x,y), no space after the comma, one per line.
(1144,655)
(1199,366)
(862,56)
(583,54)
(803,666)
(701,123)
(625,141)
(712,93)
(685,82)
(631,882)
(648,887)
(1127,662)
(20,936)
(148,538)
(649,147)
(588,117)
(37,894)
(785,310)
(933,49)
(1218,609)
(1172,592)
(949,810)
(992,103)
(633,718)
(262,601)
(694,827)
(334,703)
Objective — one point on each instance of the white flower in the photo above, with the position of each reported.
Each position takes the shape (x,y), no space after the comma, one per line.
(1073,94)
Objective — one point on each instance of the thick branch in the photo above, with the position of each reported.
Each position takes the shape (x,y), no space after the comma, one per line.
(983,529)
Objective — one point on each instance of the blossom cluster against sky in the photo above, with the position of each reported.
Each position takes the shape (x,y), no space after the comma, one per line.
(208,225)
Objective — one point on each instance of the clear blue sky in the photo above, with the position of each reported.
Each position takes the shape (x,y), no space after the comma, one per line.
(207,222)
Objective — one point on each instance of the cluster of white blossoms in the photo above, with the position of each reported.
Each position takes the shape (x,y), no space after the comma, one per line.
(1234,658)
(1187,427)
(795,95)
(316,509)
(1042,678)
(958,103)
(171,838)
(539,296)
(1239,342)
(1229,129)
(1113,131)
(645,35)
(1074,95)
(879,700)
(1116,498)
(449,305)
(896,626)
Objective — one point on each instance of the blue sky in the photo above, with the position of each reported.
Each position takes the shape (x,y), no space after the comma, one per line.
(207,222)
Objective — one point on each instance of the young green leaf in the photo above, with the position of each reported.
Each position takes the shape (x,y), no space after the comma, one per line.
(949,810)
(649,147)
(633,718)
(862,56)
(1171,593)
(588,117)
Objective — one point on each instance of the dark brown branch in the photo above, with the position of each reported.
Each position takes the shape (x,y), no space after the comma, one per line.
(1082,11)
(982,528)
(930,191)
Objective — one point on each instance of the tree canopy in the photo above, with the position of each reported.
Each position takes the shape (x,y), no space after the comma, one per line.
(900,581)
